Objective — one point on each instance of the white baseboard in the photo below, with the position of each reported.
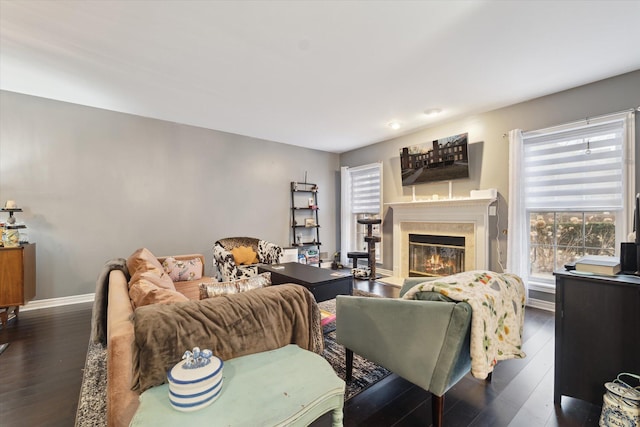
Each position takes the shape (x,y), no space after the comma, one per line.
(56,302)
(384,272)
(542,305)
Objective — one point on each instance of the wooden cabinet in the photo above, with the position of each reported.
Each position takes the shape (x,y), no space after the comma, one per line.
(597,333)
(17,278)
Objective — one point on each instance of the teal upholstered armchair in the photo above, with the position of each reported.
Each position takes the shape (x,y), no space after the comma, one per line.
(425,342)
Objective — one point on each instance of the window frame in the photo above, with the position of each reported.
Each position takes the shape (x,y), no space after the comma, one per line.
(624,215)
(349,226)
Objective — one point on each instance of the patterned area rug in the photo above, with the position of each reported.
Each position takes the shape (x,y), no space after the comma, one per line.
(92,403)
(364,373)
(92,406)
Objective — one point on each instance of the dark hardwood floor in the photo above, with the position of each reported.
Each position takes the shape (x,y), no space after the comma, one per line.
(41,372)
(41,369)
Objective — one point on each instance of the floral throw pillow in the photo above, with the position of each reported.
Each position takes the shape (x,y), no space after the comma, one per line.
(183,270)
(215,289)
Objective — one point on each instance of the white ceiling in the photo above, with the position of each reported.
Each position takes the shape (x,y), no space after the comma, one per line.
(328,75)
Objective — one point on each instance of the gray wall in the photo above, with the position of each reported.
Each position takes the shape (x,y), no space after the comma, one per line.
(96,184)
(489,150)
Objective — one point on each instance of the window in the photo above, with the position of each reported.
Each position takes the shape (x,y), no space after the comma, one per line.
(575,191)
(361,198)
(557,238)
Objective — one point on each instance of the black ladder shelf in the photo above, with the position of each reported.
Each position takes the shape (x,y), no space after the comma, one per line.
(305,228)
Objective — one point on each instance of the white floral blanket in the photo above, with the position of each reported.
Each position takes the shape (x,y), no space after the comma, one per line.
(497,300)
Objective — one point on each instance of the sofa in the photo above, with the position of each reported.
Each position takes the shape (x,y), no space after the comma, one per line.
(238,257)
(231,325)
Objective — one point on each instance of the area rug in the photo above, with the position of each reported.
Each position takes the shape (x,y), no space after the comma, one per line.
(92,405)
(365,373)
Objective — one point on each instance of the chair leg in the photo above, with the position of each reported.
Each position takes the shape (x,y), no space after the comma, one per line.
(437,409)
(355,263)
(349,364)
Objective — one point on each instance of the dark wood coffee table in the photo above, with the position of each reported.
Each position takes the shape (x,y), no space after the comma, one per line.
(324,284)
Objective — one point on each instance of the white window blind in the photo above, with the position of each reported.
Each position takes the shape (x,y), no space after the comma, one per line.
(365,189)
(575,169)
(361,196)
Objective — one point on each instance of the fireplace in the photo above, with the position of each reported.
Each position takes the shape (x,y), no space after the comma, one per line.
(431,255)
(459,218)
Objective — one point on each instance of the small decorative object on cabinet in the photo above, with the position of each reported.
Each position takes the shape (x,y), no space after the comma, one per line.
(17,278)
(11,236)
(305,228)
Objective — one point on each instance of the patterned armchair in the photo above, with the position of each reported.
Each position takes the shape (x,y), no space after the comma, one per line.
(226,251)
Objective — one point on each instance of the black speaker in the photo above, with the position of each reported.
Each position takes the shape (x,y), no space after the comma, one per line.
(629,257)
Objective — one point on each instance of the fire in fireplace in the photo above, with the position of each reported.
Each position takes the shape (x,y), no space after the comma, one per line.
(431,255)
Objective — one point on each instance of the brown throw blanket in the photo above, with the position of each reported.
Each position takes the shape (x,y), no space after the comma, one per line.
(100,301)
(230,325)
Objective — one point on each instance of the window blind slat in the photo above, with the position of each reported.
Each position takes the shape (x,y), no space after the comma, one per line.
(574,204)
(588,131)
(577,147)
(365,190)
(606,188)
(575,180)
(568,170)
(609,157)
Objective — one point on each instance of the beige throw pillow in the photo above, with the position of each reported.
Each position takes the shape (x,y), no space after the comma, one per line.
(143,292)
(143,264)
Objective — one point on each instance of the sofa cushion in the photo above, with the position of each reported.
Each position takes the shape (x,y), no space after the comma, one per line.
(214,289)
(191,288)
(143,261)
(161,281)
(143,292)
(182,270)
(244,255)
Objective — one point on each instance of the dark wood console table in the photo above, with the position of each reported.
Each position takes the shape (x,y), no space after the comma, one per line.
(597,333)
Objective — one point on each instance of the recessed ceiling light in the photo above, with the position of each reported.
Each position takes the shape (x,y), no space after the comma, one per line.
(433,111)
(395,125)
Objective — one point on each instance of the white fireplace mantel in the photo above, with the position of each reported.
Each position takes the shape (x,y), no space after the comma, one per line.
(465,211)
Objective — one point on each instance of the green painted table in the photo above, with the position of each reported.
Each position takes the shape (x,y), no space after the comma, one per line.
(284,387)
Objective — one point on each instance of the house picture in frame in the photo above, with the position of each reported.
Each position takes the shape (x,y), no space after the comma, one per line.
(443,159)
